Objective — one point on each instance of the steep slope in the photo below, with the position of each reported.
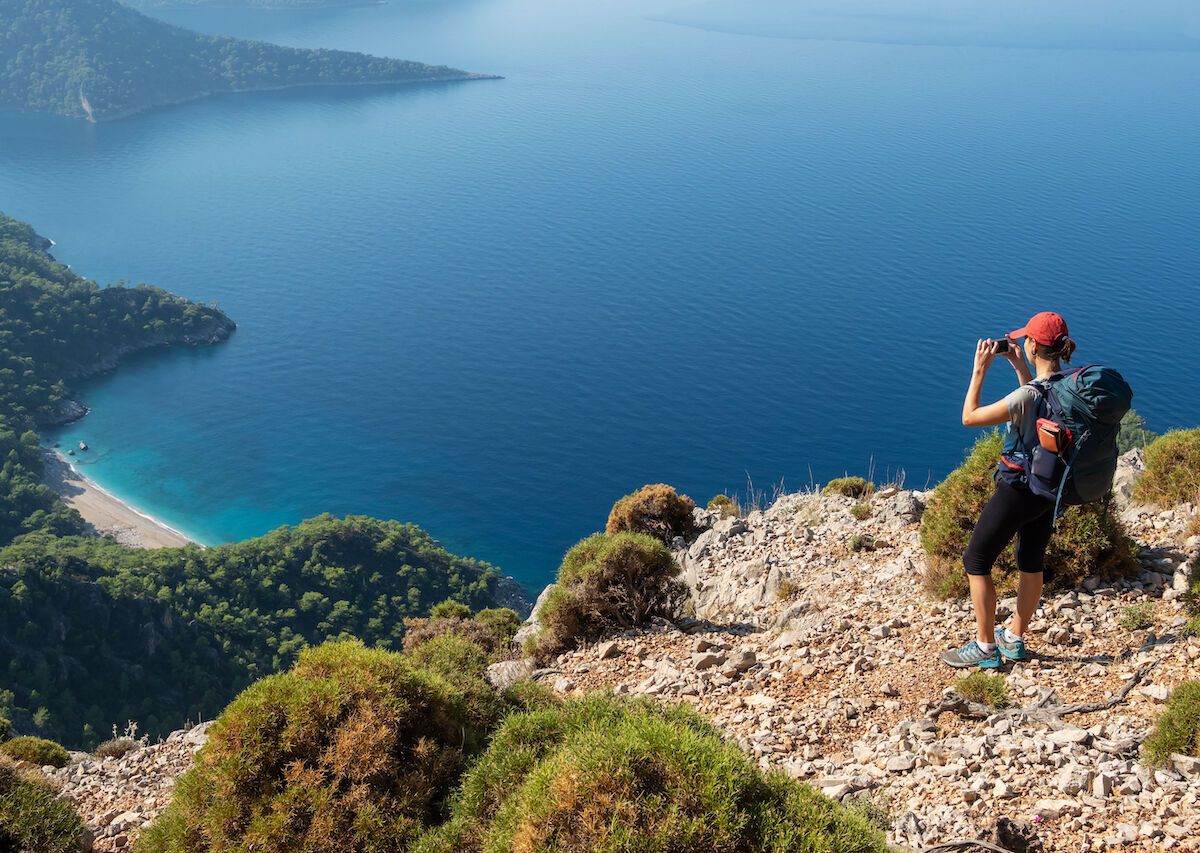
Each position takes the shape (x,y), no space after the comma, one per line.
(101,60)
(818,654)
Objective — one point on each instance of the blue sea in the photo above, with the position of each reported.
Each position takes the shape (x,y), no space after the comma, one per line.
(706,242)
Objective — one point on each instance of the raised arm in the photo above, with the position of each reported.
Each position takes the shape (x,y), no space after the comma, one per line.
(973,414)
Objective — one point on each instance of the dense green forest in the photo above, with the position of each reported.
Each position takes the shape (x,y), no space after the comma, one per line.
(72,56)
(95,633)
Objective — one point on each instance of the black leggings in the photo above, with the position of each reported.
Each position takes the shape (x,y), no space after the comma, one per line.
(1011,511)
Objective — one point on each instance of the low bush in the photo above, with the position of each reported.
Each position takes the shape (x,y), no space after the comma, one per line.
(1136,617)
(117,747)
(1178,729)
(861,510)
(36,750)
(849,487)
(450,609)
(5,729)
(33,817)
(656,511)
(530,695)
(492,630)
(1087,541)
(599,774)
(983,688)
(1133,432)
(1172,473)
(724,505)
(501,621)
(353,749)
(607,582)
(875,806)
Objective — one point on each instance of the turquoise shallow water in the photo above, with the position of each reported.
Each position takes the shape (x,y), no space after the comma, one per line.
(690,242)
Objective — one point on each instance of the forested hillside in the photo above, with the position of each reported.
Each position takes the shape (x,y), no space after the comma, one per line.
(93,633)
(102,59)
(98,634)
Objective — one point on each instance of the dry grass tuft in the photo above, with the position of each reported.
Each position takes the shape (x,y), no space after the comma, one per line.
(1172,474)
(655,510)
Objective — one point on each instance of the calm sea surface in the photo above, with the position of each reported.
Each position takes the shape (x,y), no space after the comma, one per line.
(682,241)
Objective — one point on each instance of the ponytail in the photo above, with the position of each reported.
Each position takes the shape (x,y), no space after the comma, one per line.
(1063,349)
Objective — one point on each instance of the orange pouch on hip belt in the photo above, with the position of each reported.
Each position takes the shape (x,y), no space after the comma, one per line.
(1051,436)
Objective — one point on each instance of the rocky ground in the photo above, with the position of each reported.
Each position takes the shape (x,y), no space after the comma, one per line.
(815,648)
(117,796)
(821,660)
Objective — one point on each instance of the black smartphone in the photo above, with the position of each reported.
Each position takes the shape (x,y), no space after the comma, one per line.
(1002,345)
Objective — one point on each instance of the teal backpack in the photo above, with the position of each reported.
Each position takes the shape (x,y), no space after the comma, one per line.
(1086,404)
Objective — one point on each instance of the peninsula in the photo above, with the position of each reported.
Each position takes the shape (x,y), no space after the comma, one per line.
(102,60)
(92,630)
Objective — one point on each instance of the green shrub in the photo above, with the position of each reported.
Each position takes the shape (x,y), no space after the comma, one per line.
(530,695)
(1178,729)
(875,807)
(353,749)
(724,505)
(37,751)
(858,542)
(1133,432)
(501,621)
(492,630)
(33,817)
(5,729)
(606,582)
(450,609)
(1087,541)
(1136,617)
(983,688)
(599,774)
(861,510)
(849,487)
(1172,473)
(655,511)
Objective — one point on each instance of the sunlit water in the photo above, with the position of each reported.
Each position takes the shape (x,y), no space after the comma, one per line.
(681,242)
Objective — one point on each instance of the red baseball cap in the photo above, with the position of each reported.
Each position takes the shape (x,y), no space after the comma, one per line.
(1047,328)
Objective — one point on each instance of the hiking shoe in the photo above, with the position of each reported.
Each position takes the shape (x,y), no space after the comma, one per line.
(972,655)
(1010,651)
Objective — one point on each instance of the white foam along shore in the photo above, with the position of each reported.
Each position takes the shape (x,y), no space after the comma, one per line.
(105,512)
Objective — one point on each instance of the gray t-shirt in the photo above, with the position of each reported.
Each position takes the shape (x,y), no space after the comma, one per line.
(1023,408)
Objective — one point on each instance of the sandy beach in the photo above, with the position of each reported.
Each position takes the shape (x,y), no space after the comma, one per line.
(107,515)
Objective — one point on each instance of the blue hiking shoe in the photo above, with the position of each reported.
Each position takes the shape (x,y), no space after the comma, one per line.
(972,655)
(1010,651)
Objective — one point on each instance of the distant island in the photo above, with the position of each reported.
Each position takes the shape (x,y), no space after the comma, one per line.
(101,60)
(254,4)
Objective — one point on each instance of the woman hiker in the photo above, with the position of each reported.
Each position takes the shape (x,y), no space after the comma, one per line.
(1013,509)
